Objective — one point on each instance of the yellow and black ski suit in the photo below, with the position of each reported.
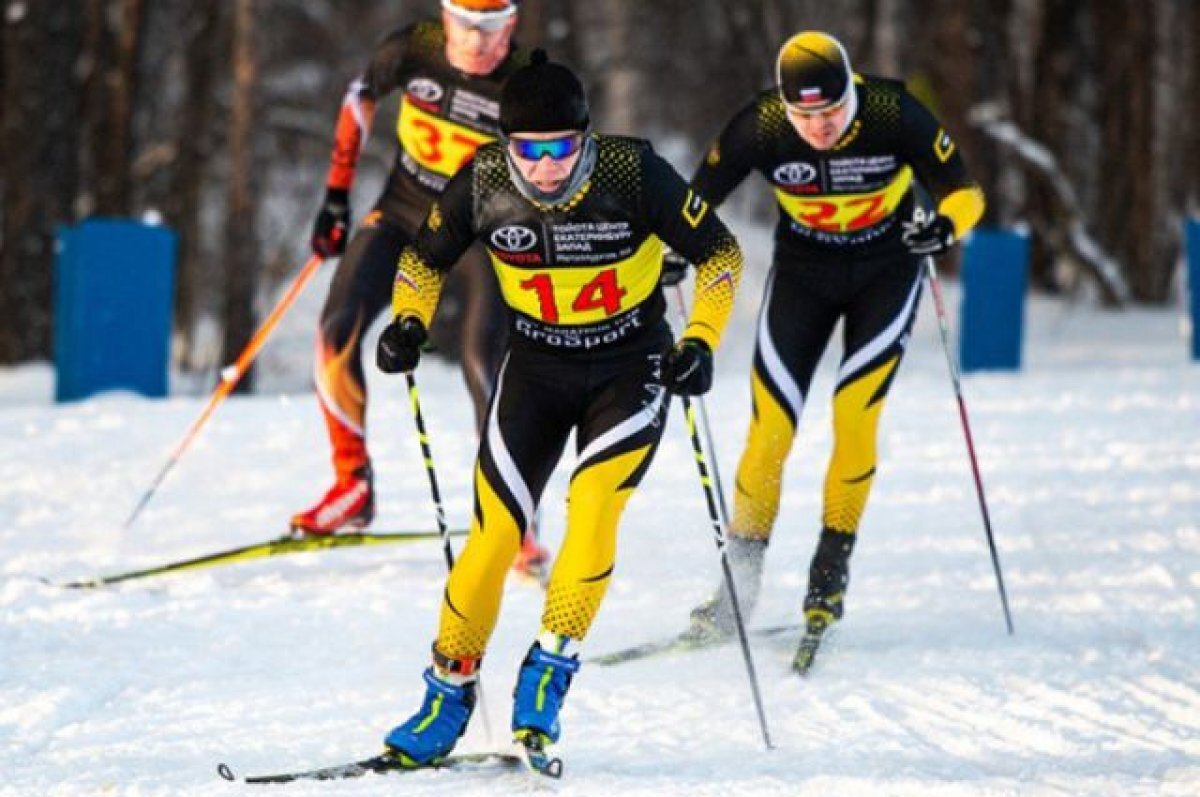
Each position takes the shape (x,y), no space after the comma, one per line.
(581,280)
(838,256)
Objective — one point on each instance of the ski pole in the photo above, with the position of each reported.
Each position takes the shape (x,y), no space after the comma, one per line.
(719,534)
(955,377)
(680,306)
(414,400)
(427,454)
(229,378)
(719,526)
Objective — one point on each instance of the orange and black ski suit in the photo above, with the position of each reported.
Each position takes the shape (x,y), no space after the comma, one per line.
(444,116)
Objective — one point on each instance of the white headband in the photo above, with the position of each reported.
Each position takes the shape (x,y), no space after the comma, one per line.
(479,16)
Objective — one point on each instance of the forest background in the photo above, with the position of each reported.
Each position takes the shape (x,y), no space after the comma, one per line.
(1080,119)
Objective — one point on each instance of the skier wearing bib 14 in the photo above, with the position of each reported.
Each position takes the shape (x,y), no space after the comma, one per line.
(841,151)
(451,73)
(575,225)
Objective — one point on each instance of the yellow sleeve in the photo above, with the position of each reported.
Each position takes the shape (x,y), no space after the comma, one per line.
(416,289)
(717,279)
(964,207)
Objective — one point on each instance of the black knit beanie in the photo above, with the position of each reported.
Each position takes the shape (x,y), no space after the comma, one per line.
(543,97)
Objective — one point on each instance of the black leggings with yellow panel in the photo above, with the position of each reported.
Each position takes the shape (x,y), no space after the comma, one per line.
(617,409)
(876,302)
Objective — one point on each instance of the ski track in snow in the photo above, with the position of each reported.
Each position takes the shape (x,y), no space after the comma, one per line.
(1091,458)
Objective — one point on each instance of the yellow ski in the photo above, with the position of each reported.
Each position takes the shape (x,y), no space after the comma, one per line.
(262,550)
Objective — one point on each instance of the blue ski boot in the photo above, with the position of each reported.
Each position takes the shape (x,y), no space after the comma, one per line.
(541,687)
(430,734)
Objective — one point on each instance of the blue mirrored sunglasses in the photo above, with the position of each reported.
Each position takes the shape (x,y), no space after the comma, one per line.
(556,148)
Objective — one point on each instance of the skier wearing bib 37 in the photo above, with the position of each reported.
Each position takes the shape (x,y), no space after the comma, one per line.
(451,73)
(841,151)
(575,225)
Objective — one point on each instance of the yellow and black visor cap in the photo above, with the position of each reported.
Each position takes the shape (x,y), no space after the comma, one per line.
(813,71)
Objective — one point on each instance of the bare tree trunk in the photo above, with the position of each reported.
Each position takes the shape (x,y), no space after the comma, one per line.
(1000,90)
(623,84)
(562,32)
(37,162)
(4,50)
(91,110)
(532,30)
(608,36)
(193,148)
(1050,97)
(949,63)
(747,37)
(776,29)
(887,38)
(109,68)
(124,85)
(241,255)
(1135,221)
(1190,111)
(1177,137)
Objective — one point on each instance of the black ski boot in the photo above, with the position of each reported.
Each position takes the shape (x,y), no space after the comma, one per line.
(828,577)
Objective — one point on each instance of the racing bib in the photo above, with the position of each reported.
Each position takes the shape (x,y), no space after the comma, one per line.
(436,144)
(846,213)
(579,295)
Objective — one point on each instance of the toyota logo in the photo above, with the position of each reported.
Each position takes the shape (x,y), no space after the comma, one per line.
(425,90)
(795,174)
(514,238)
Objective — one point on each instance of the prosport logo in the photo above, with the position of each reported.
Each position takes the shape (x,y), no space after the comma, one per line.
(425,90)
(514,238)
(795,173)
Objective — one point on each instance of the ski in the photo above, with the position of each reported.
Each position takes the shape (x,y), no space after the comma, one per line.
(382,764)
(681,643)
(277,547)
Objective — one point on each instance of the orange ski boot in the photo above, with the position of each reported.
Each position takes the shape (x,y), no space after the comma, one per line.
(533,560)
(348,506)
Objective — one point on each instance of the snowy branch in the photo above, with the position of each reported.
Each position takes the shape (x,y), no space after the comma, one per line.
(316,127)
(1082,244)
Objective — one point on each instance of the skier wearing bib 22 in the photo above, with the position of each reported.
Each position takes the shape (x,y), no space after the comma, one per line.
(574,224)
(451,73)
(841,151)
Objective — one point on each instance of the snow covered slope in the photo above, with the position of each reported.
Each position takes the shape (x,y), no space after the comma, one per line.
(1092,462)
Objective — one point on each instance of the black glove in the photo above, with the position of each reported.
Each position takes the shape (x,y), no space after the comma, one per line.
(674,269)
(928,237)
(399,348)
(687,369)
(332,225)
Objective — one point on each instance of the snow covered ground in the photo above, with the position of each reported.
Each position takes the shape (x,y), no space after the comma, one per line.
(1091,457)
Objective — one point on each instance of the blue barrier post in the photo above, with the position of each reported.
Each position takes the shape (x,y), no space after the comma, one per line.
(994,277)
(1193,256)
(113,298)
